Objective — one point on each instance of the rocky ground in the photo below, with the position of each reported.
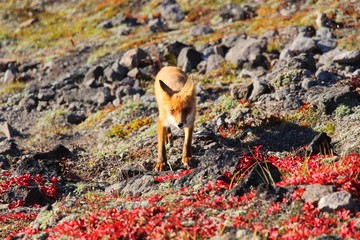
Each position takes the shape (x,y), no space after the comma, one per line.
(276,149)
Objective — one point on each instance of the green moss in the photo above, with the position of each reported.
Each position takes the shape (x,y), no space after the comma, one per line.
(342,111)
(287,77)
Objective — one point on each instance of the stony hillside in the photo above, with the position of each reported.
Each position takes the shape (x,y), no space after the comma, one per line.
(276,149)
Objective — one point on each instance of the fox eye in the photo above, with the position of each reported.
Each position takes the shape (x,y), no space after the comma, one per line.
(172,110)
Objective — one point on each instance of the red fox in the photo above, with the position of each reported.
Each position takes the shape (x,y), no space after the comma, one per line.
(176,99)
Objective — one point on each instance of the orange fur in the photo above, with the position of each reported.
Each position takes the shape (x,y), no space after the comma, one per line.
(176,99)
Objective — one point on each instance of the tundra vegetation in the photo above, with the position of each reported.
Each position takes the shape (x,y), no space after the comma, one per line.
(276,148)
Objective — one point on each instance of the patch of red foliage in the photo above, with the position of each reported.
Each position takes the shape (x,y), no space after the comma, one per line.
(188,213)
(48,187)
(172,176)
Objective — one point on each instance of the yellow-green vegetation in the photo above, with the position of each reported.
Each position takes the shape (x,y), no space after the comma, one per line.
(50,125)
(61,27)
(11,88)
(307,116)
(123,130)
(96,118)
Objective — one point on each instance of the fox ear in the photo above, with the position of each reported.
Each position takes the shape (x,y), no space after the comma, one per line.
(165,88)
(188,88)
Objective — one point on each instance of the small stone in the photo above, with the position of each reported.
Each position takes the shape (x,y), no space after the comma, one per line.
(106,24)
(349,57)
(188,59)
(9,76)
(321,143)
(308,83)
(76,117)
(302,44)
(336,201)
(136,57)
(46,94)
(314,192)
(4,163)
(214,62)
(8,130)
(170,10)
(260,87)
(200,30)
(156,25)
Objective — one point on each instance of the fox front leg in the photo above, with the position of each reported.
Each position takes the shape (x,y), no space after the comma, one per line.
(162,136)
(169,136)
(186,158)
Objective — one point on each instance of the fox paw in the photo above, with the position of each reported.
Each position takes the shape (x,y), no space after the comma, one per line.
(186,161)
(160,166)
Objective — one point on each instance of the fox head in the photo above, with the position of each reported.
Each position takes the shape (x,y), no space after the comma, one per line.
(180,106)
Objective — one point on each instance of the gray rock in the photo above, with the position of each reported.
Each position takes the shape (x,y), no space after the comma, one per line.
(8,130)
(284,54)
(124,31)
(324,33)
(336,201)
(128,81)
(4,163)
(76,117)
(9,76)
(241,91)
(46,94)
(199,30)
(247,50)
(29,103)
(302,44)
(171,11)
(201,67)
(325,78)
(329,98)
(214,62)
(135,57)
(29,195)
(259,87)
(314,192)
(230,41)
(138,74)
(139,185)
(349,57)
(188,59)
(106,24)
(94,73)
(157,25)
(116,72)
(266,191)
(175,48)
(234,12)
(327,58)
(308,83)
(326,44)
(260,173)
(328,237)
(103,96)
(8,147)
(356,72)
(306,31)
(321,143)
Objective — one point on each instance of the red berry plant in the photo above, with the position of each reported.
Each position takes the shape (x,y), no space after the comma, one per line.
(207,210)
(14,216)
